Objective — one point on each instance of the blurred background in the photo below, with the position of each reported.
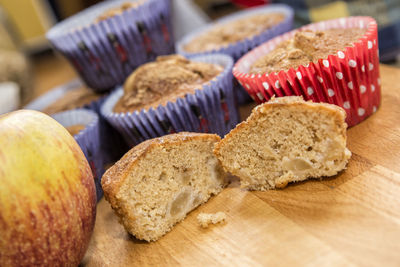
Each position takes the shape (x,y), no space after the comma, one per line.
(29,67)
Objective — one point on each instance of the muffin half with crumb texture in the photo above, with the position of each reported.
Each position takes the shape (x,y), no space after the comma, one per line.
(158,182)
(286,140)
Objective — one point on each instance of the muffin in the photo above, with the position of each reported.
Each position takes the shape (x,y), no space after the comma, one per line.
(166,79)
(83,125)
(107,41)
(73,99)
(286,140)
(75,95)
(335,61)
(224,34)
(174,94)
(118,10)
(236,34)
(75,129)
(158,182)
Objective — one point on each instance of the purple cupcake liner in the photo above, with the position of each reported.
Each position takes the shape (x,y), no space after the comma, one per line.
(105,53)
(88,139)
(238,49)
(112,144)
(211,109)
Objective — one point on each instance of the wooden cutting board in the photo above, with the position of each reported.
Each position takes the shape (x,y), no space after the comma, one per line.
(350,219)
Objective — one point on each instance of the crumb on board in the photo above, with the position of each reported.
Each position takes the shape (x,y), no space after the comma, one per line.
(205,219)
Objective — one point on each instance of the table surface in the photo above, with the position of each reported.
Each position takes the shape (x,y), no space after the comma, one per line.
(350,219)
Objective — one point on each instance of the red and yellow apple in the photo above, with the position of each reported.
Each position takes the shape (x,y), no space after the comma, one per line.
(47,193)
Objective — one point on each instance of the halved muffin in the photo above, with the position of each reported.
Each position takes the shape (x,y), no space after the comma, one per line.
(158,182)
(286,140)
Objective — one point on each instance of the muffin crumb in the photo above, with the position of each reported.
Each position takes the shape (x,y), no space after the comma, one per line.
(205,219)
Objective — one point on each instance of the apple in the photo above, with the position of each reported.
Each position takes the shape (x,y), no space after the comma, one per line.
(47,193)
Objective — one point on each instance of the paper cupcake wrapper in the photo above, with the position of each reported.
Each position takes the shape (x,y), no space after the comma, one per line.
(211,109)
(88,139)
(238,49)
(112,145)
(349,79)
(105,53)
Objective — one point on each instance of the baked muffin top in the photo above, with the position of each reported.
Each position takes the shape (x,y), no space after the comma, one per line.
(224,34)
(76,98)
(305,47)
(166,79)
(75,129)
(118,10)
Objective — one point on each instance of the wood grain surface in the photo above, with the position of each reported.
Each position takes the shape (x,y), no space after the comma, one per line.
(352,219)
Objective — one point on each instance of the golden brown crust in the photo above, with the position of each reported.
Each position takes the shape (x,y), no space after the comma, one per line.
(119,10)
(75,98)
(75,129)
(306,46)
(166,79)
(231,32)
(115,175)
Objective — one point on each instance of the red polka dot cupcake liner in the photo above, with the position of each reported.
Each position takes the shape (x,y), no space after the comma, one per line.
(350,78)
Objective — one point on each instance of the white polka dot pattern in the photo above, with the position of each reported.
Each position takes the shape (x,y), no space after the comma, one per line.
(339,75)
(363,89)
(277,84)
(369,44)
(350,85)
(320,79)
(331,92)
(310,90)
(266,85)
(352,63)
(371,66)
(325,62)
(372,88)
(340,54)
(360,111)
(298,74)
(346,104)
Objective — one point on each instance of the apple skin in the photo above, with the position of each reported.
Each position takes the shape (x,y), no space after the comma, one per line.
(47,193)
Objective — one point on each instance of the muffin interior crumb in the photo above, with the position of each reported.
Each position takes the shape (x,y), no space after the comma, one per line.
(205,219)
